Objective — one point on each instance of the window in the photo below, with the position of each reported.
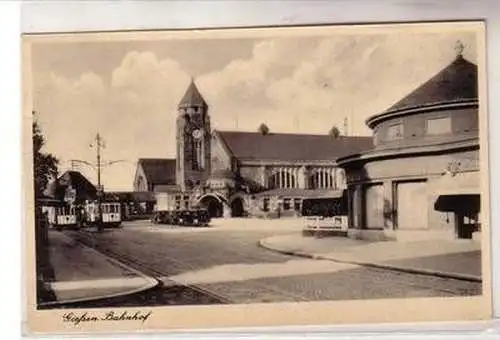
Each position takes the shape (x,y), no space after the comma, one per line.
(321,179)
(265,205)
(286,204)
(141,184)
(439,126)
(395,131)
(282,179)
(297,204)
(198,155)
(216,163)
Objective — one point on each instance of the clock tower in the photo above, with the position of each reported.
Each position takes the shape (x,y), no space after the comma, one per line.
(193,140)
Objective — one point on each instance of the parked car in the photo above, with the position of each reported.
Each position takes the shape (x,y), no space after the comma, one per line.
(196,218)
(192,217)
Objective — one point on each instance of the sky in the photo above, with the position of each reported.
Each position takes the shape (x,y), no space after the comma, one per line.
(128,91)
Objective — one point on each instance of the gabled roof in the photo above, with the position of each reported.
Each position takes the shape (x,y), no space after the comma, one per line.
(291,147)
(192,97)
(456,82)
(85,190)
(158,170)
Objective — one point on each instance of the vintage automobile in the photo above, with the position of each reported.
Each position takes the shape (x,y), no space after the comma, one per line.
(197,218)
(159,217)
(191,217)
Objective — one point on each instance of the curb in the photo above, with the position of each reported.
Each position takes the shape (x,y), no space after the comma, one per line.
(150,283)
(457,276)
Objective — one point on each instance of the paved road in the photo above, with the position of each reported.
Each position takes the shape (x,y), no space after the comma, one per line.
(234,269)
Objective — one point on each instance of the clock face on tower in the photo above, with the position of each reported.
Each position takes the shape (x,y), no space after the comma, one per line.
(197,134)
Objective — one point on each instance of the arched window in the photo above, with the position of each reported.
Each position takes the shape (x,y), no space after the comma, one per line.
(141,184)
(199,157)
(273,181)
(216,164)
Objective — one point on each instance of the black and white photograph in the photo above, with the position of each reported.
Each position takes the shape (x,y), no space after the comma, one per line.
(266,167)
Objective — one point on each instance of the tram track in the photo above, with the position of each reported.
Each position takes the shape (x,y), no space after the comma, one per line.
(183,266)
(169,291)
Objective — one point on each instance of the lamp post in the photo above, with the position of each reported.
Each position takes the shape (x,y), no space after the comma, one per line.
(99,143)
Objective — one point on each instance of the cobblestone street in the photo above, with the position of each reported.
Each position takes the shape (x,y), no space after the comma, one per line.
(228,264)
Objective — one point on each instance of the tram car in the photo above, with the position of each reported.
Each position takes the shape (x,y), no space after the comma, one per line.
(61,217)
(110,212)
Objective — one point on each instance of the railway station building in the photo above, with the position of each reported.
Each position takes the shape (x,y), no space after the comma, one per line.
(422,177)
(235,173)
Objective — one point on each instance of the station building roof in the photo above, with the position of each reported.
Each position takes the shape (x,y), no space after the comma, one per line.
(158,171)
(291,147)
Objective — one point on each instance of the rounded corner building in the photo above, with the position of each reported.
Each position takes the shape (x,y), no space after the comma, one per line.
(421,180)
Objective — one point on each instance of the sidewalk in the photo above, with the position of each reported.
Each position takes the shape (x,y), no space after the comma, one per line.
(80,273)
(459,259)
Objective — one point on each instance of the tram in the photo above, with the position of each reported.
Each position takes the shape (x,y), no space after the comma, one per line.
(61,217)
(110,213)
(72,216)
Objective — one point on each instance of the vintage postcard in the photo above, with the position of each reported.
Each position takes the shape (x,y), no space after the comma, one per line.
(256,177)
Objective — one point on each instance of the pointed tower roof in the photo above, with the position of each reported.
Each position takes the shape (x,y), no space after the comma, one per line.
(456,82)
(192,97)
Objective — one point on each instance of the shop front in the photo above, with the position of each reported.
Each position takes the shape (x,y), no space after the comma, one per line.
(458,196)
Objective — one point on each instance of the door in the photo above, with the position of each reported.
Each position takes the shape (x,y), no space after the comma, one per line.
(374,206)
(412,203)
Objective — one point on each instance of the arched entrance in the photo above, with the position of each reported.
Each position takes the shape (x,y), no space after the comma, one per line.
(213,205)
(237,209)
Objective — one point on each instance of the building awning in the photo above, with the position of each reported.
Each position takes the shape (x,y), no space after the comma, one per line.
(466,204)
(457,193)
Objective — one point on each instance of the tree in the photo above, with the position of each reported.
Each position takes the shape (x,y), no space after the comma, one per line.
(263,129)
(44,164)
(334,132)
